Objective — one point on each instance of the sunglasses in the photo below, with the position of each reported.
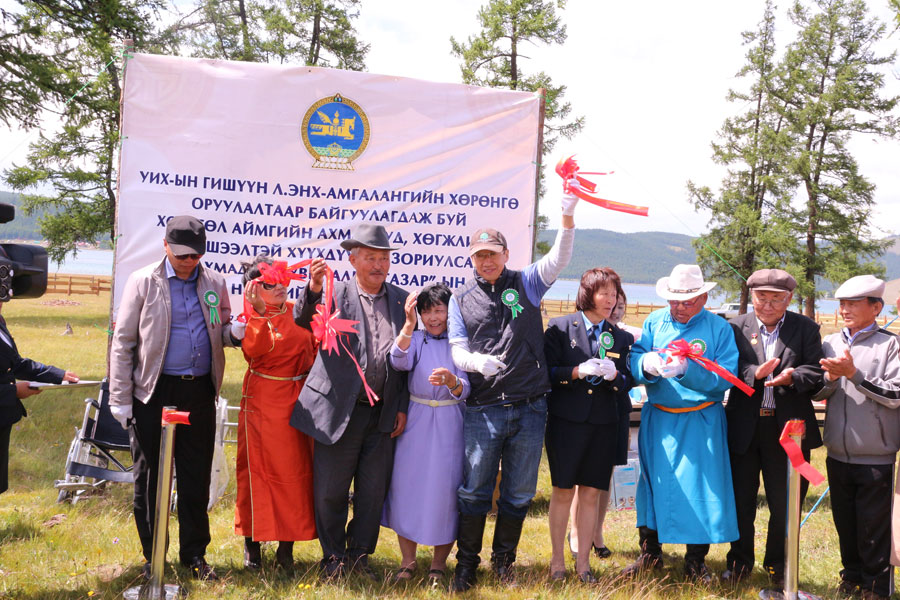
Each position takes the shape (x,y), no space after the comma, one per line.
(188,256)
(268,286)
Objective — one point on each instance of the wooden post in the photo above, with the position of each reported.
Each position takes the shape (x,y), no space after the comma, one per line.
(542,93)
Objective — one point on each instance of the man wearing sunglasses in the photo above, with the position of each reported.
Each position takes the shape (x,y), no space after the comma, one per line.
(685,493)
(779,358)
(167,350)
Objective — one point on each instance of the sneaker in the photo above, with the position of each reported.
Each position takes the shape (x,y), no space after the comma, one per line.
(201,570)
(644,562)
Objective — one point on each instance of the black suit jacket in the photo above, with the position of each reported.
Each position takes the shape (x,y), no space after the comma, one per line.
(799,345)
(12,367)
(323,408)
(566,346)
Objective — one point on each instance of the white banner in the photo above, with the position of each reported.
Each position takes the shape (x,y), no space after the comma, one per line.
(285,160)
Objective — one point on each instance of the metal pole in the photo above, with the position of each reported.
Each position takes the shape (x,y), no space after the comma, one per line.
(155,589)
(161,518)
(792,537)
(797,428)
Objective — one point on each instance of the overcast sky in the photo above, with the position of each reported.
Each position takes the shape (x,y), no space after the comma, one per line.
(650,78)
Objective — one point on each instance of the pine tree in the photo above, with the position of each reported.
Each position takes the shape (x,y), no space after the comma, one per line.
(74,168)
(493,58)
(829,88)
(747,230)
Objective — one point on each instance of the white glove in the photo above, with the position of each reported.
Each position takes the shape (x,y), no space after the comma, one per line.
(608,369)
(652,363)
(238,329)
(121,413)
(590,368)
(673,366)
(486,364)
(569,200)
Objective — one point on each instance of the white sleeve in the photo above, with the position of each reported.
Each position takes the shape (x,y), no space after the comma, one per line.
(552,264)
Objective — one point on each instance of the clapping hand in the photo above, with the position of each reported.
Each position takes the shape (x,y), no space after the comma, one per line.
(839,366)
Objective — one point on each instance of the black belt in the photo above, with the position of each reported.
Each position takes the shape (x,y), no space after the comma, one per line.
(520,402)
(186,377)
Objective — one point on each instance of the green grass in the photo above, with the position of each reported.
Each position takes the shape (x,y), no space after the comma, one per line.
(94,551)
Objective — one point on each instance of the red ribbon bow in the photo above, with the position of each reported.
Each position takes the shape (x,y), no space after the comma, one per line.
(686,350)
(277,272)
(568,169)
(795,455)
(330,331)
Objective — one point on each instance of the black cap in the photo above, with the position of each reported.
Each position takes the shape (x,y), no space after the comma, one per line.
(186,235)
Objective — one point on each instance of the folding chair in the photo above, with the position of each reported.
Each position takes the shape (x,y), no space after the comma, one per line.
(92,460)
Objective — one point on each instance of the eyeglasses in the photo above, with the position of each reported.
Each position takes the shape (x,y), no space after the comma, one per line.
(773,303)
(188,256)
(268,286)
(685,303)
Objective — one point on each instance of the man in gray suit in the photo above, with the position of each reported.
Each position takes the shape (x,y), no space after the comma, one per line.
(353,439)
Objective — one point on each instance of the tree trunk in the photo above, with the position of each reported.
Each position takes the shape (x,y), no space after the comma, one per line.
(314,45)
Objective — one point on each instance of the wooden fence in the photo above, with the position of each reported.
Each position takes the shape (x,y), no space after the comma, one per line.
(78,284)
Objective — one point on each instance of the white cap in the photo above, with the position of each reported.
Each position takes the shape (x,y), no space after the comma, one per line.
(861,286)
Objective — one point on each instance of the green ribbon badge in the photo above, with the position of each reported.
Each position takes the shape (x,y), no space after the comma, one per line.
(604,342)
(212,300)
(510,298)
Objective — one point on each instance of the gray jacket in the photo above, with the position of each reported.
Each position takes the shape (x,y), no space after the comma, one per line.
(862,423)
(142,327)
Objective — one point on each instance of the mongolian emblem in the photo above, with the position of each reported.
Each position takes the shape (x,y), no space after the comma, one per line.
(335,131)
(698,346)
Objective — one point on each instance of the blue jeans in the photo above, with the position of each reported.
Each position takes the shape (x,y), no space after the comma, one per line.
(513,435)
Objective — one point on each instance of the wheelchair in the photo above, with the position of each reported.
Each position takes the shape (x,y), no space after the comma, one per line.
(100,452)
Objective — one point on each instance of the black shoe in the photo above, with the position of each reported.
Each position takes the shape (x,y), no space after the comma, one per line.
(201,570)
(734,575)
(776,576)
(360,566)
(464,578)
(252,554)
(284,556)
(332,568)
(849,588)
(698,571)
(644,562)
(587,577)
(601,551)
(145,571)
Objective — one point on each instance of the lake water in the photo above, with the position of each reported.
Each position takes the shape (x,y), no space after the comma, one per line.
(99,262)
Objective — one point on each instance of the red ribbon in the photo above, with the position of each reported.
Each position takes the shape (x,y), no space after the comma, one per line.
(795,455)
(568,169)
(684,349)
(176,417)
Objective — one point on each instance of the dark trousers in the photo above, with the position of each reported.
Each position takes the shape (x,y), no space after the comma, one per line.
(861,507)
(649,540)
(365,456)
(4,458)
(194,446)
(765,455)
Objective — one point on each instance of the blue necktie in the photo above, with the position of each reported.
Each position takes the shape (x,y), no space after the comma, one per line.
(592,338)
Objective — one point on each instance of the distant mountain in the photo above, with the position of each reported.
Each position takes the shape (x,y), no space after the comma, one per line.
(22,227)
(645,257)
(637,257)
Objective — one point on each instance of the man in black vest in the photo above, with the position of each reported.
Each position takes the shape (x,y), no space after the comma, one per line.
(497,335)
(353,438)
(779,354)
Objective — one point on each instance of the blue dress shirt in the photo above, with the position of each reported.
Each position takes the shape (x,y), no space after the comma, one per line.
(189,351)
